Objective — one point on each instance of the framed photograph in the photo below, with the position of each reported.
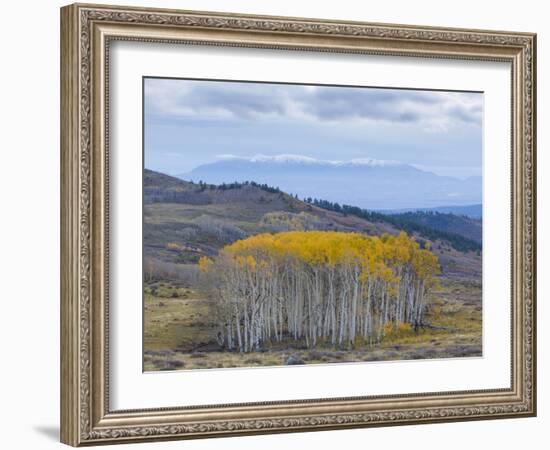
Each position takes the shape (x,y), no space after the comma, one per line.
(276,224)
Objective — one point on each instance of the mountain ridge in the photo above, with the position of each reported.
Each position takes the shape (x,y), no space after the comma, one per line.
(301,159)
(368,183)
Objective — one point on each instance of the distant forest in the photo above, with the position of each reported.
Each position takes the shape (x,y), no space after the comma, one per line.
(408,222)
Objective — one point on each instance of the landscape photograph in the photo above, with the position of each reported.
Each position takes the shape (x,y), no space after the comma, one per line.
(293,224)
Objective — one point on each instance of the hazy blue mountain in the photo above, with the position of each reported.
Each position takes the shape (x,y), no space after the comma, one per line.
(367,183)
(473,211)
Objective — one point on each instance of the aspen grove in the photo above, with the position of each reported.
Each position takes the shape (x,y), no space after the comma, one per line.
(321,287)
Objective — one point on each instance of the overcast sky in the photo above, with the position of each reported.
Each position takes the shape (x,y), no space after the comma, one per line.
(188,123)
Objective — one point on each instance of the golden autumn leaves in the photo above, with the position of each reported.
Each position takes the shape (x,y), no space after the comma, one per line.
(317,286)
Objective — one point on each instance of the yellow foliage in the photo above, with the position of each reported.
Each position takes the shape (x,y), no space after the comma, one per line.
(378,256)
(403,327)
(247,262)
(397,330)
(174,246)
(352,282)
(388,328)
(205,263)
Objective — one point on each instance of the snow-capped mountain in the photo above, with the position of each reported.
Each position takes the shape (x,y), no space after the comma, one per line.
(365,182)
(301,159)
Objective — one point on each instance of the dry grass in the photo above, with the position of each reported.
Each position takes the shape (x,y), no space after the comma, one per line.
(172,323)
(180,334)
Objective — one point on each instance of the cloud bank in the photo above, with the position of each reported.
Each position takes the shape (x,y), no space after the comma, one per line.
(237,101)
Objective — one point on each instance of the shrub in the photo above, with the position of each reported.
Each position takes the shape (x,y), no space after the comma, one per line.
(397,330)
(174,246)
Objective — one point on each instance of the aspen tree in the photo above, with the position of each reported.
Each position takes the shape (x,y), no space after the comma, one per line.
(311,285)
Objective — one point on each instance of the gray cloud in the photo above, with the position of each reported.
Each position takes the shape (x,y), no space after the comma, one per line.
(206,100)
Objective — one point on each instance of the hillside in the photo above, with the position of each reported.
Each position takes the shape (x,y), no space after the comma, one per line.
(445,222)
(184,221)
(201,218)
(461,232)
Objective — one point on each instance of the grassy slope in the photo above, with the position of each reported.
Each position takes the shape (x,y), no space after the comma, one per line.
(180,334)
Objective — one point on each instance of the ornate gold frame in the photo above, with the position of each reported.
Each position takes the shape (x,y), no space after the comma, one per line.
(86,31)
